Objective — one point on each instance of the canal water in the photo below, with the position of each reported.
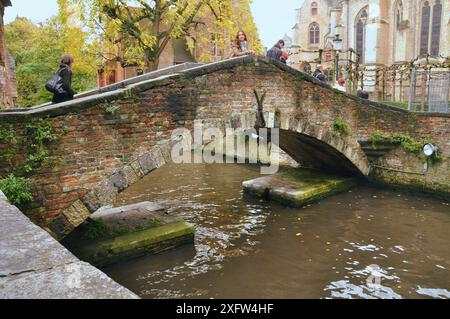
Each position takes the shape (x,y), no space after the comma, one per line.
(365,243)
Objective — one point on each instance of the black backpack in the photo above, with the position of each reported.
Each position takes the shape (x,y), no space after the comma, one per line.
(55,84)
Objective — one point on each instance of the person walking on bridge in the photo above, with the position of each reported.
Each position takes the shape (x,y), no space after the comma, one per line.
(63,91)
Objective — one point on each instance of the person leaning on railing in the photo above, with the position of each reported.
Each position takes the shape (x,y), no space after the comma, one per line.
(240,46)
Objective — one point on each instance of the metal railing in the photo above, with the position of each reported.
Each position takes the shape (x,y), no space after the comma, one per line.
(422,84)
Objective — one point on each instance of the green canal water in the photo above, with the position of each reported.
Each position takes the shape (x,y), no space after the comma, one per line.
(248,248)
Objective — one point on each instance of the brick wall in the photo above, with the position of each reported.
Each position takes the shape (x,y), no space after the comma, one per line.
(101,153)
(8,85)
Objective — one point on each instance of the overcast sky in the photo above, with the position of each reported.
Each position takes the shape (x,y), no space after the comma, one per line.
(274,19)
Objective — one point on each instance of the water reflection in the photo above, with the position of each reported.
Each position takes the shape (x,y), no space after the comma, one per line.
(247,248)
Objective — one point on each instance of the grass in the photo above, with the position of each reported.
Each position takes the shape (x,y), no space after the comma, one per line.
(415,106)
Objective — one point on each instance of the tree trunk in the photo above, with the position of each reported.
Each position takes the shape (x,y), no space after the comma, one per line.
(151,64)
(152,61)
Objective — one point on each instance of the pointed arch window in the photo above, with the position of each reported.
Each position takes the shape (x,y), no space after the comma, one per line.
(436,28)
(360,31)
(399,13)
(430,27)
(314,33)
(425,28)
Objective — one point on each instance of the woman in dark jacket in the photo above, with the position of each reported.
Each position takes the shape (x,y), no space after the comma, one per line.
(65,71)
(277,51)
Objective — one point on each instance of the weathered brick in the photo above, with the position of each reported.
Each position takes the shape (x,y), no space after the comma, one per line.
(119,180)
(147,163)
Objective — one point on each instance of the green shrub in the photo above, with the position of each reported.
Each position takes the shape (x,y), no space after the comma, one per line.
(340,127)
(97,228)
(16,189)
(408,143)
(376,137)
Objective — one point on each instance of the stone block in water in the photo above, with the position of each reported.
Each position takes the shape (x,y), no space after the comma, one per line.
(297,187)
(117,234)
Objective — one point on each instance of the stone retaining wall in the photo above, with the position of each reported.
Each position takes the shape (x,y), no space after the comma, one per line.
(33,265)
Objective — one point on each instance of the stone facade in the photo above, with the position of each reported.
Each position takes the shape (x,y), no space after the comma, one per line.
(384,32)
(8,85)
(102,153)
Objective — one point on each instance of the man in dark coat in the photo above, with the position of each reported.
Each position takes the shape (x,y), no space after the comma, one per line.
(362,94)
(318,74)
(277,51)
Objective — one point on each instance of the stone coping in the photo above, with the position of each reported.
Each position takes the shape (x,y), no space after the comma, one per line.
(33,265)
(118,85)
(169,76)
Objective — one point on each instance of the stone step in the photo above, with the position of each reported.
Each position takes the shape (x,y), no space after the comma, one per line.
(139,243)
(297,187)
(116,234)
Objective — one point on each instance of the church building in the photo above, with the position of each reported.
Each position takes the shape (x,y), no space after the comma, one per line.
(381,32)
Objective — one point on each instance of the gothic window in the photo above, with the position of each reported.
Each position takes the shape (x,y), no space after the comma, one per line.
(314,9)
(425,28)
(436,28)
(314,33)
(361,32)
(430,28)
(399,13)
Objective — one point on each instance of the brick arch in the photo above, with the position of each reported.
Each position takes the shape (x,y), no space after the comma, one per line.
(320,147)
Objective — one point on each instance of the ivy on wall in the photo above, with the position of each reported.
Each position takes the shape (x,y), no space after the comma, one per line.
(407,142)
(31,144)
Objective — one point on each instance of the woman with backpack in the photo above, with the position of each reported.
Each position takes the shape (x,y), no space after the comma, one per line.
(61,84)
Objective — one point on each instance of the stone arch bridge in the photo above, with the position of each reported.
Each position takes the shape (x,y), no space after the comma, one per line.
(114,136)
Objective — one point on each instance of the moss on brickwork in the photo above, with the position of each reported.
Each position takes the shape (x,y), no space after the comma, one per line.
(110,107)
(340,127)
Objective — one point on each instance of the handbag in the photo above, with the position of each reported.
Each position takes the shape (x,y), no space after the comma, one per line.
(55,84)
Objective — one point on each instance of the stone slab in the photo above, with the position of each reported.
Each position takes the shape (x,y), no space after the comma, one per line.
(77,280)
(138,243)
(297,187)
(104,213)
(33,265)
(25,247)
(137,216)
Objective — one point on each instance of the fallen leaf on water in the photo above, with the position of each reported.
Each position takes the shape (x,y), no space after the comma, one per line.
(298,234)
